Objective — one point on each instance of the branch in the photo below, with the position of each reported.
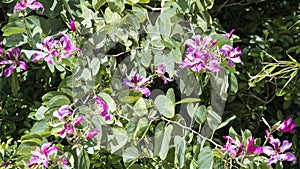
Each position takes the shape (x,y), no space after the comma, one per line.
(193,131)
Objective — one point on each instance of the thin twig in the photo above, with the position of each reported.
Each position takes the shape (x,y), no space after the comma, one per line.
(193,131)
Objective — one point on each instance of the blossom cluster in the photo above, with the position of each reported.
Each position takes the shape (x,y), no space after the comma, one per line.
(237,149)
(31,4)
(43,156)
(202,54)
(69,123)
(12,61)
(104,111)
(51,49)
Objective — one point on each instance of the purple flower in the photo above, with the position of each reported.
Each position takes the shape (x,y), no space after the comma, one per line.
(42,156)
(48,48)
(62,112)
(64,162)
(67,47)
(232,54)
(104,108)
(68,130)
(24,4)
(161,70)
(277,153)
(235,148)
(228,35)
(13,55)
(287,126)
(198,55)
(51,48)
(1,50)
(138,83)
(252,149)
(72,25)
(4,164)
(79,120)
(92,134)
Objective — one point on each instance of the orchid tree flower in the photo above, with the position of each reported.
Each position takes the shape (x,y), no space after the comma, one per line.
(42,155)
(1,50)
(234,148)
(232,54)
(161,70)
(48,48)
(13,55)
(287,126)
(72,25)
(32,4)
(92,134)
(67,48)
(104,109)
(138,83)
(228,35)
(251,148)
(62,112)
(277,153)
(68,130)
(198,55)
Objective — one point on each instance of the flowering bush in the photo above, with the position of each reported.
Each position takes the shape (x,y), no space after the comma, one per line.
(126,84)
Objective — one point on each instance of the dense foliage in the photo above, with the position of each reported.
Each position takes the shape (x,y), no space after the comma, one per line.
(149,84)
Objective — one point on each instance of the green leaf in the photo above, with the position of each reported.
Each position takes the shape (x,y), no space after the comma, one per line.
(116,5)
(165,142)
(97,4)
(57,101)
(140,107)
(213,119)
(226,122)
(165,106)
(217,153)
(180,148)
(39,127)
(15,87)
(141,127)
(40,113)
(15,40)
(188,100)
(119,140)
(158,136)
(171,95)
(130,96)
(205,158)
(233,83)
(130,155)
(13,30)
(201,114)
(83,161)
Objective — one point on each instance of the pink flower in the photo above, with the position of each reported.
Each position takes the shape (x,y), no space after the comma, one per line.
(67,47)
(72,25)
(79,120)
(24,4)
(277,153)
(234,148)
(64,162)
(232,54)
(68,130)
(92,134)
(104,108)
(198,55)
(4,164)
(252,149)
(51,48)
(161,70)
(287,126)
(1,50)
(42,156)
(62,112)
(228,35)
(48,48)
(138,83)
(13,55)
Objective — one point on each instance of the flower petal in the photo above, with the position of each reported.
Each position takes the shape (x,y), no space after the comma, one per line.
(285,146)
(287,157)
